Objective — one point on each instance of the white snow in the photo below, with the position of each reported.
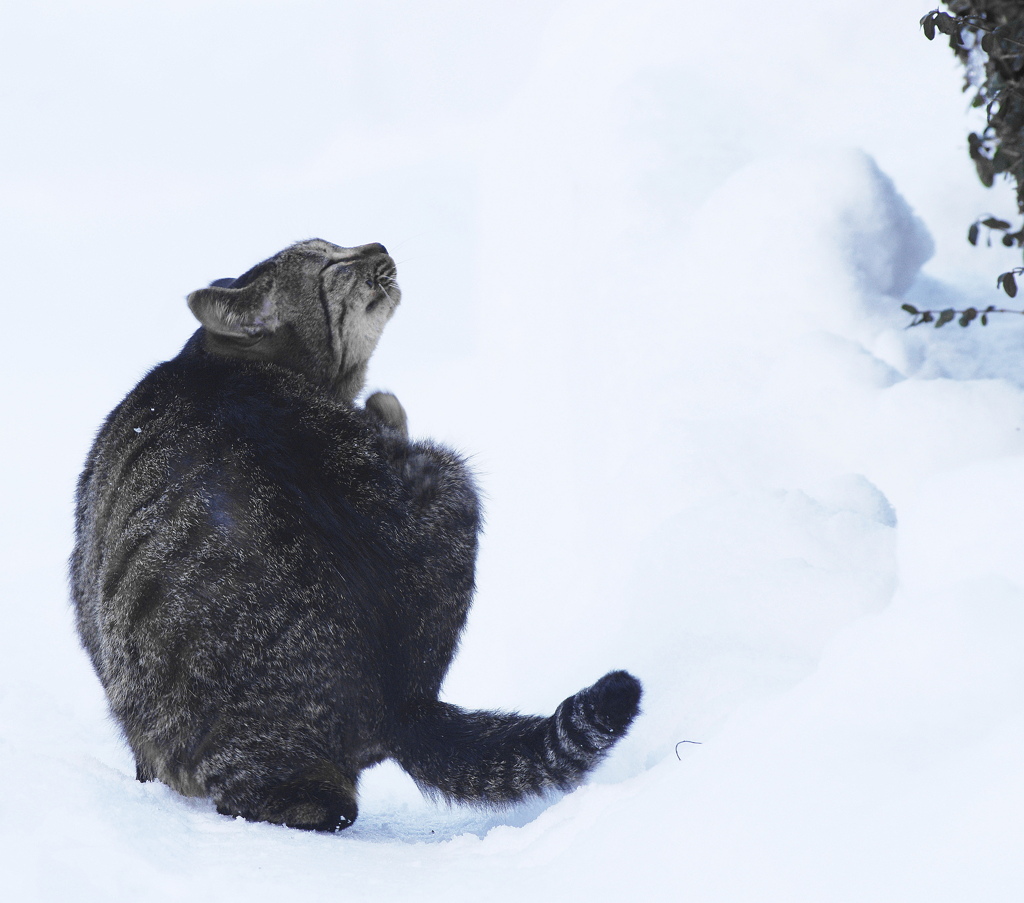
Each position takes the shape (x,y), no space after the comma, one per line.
(652,257)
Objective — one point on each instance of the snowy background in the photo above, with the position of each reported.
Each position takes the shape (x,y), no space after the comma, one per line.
(652,256)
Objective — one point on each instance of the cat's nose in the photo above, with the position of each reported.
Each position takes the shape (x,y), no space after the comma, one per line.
(365,252)
(370,250)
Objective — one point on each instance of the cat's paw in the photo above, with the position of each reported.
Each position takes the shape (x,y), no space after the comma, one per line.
(318,799)
(389,411)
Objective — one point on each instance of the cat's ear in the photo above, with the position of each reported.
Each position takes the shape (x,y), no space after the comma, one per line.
(236,313)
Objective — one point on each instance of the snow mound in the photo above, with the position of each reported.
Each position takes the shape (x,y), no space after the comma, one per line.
(824,238)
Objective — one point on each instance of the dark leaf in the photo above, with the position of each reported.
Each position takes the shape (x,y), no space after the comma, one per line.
(928,24)
(945,23)
(910,309)
(927,317)
(984,319)
(994,223)
(987,40)
(967,316)
(1008,284)
(1008,241)
(945,317)
(984,167)
(972,234)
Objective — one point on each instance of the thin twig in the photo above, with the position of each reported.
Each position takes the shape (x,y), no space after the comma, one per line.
(681,742)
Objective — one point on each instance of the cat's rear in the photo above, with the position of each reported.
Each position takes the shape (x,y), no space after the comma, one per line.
(271,581)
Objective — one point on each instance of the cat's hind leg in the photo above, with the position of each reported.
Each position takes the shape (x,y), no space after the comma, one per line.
(319,798)
(316,797)
(442,487)
(388,411)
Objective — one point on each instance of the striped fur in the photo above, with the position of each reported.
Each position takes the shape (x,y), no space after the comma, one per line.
(497,758)
(271,581)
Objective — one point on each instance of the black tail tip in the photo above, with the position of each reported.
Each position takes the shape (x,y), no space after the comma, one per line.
(616,700)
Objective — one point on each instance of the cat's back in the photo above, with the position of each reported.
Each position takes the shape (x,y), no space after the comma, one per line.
(201,418)
(214,484)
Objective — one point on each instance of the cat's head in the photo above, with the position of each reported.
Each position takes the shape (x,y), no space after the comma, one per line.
(315,307)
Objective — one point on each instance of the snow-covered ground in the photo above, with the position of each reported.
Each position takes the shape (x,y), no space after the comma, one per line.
(653,256)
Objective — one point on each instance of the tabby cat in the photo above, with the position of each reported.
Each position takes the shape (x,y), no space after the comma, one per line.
(271,580)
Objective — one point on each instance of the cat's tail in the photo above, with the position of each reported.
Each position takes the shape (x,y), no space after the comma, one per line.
(493,757)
